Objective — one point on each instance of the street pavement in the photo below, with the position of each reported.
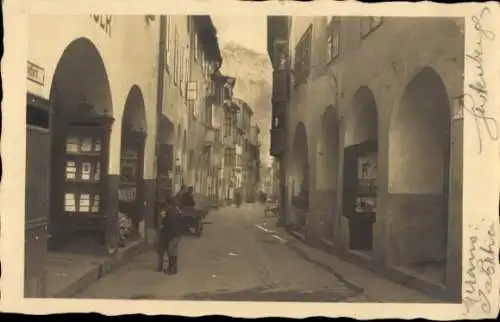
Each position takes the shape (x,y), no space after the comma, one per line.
(239,257)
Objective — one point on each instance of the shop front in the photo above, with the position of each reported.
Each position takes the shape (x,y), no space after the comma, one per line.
(81,129)
(359,196)
(131,193)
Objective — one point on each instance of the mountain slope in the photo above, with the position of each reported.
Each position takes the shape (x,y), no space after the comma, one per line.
(253,74)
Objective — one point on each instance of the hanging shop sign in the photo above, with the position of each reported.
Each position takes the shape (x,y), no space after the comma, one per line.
(36,73)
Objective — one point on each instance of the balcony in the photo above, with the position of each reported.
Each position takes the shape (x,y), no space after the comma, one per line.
(278,142)
(281,85)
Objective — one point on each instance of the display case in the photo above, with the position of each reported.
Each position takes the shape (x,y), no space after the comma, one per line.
(81,149)
(366,192)
(360,193)
(131,190)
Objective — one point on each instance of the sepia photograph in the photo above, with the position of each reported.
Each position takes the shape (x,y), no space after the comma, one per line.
(229,158)
(276,158)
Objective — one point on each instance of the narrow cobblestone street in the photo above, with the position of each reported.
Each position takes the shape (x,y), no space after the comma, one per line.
(238,258)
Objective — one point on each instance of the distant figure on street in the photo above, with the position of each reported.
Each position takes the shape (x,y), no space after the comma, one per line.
(170,229)
(301,202)
(237,198)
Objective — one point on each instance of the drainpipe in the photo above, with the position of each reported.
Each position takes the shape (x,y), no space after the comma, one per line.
(159,104)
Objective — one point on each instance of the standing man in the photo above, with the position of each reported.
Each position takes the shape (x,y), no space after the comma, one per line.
(169,234)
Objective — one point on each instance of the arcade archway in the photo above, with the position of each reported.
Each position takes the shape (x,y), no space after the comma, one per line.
(134,132)
(360,169)
(327,169)
(299,187)
(419,157)
(81,96)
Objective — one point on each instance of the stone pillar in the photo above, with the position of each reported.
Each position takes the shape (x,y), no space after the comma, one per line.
(149,210)
(453,273)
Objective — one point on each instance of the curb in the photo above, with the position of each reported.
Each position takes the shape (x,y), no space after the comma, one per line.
(369,294)
(108,265)
(299,248)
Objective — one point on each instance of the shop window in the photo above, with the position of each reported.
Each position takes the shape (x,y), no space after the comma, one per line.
(71,170)
(303,57)
(37,116)
(69,202)
(82,171)
(369,24)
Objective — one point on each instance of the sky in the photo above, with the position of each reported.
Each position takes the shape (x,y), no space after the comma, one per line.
(249,31)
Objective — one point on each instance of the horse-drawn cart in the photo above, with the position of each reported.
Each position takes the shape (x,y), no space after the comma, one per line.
(193,219)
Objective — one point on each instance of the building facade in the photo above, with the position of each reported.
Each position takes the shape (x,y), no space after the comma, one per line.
(230,110)
(253,163)
(119,128)
(205,60)
(243,133)
(360,112)
(85,116)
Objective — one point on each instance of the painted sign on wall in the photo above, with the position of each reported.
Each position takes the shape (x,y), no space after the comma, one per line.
(36,73)
(104,22)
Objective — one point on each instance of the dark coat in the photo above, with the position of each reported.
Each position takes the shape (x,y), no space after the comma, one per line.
(187,200)
(172,225)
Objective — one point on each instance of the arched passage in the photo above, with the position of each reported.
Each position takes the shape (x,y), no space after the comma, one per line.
(419,157)
(133,138)
(300,177)
(360,169)
(327,168)
(81,95)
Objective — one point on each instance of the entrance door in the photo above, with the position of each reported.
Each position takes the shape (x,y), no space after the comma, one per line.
(38,142)
(360,194)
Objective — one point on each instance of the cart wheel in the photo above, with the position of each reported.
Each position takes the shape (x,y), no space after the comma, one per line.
(199,229)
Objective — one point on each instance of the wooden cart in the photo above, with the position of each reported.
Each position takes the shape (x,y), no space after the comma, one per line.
(193,219)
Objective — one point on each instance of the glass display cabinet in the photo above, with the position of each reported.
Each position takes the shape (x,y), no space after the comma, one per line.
(131,191)
(360,193)
(80,163)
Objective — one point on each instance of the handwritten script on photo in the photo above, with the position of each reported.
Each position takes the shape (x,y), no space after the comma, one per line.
(481,267)
(477,93)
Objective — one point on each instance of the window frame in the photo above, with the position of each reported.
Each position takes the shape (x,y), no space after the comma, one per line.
(302,59)
(333,42)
